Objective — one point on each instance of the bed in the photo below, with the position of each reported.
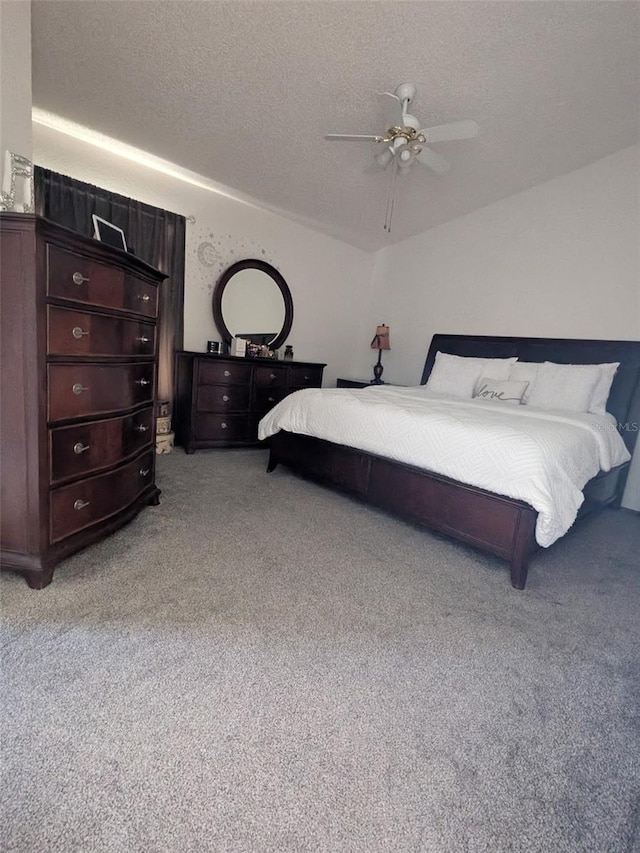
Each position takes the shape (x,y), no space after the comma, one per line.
(486,519)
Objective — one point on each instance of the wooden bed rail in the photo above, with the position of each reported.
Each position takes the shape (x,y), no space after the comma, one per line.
(494,523)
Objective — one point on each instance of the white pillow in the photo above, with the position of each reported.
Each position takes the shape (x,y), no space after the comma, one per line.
(457,376)
(564,386)
(500,391)
(525,371)
(598,403)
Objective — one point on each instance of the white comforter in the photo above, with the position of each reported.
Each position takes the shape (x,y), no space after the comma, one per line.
(542,457)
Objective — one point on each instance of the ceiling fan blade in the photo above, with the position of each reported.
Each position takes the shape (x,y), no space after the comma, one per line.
(450,132)
(434,161)
(392,106)
(384,157)
(349,137)
(373,168)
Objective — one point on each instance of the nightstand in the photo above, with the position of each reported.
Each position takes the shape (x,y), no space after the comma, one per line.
(352,383)
(360,383)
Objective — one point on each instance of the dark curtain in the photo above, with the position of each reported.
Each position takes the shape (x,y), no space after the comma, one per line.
(155,236)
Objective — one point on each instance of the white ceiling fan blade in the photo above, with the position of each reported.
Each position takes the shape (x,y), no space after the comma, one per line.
(350,137)
(434,161)
(450,132)
(392,106)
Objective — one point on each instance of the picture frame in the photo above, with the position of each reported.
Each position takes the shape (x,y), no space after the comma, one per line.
(17,184)
(108,233)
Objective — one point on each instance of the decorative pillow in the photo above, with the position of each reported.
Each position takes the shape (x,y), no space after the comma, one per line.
(525,371)
(457,376)
(598,402)
(564,386)
(501,391)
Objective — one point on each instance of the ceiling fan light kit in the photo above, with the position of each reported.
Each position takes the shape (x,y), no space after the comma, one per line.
(405,142)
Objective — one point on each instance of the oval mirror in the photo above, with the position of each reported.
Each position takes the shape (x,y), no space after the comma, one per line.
(252,300)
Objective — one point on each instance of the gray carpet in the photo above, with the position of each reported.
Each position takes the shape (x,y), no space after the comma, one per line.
(260,664)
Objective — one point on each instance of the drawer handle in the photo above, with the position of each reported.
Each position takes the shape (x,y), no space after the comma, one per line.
(225,398)
(77,332)
(143,339)
(227,373)
(223,425)
(79,447)
(272,376)
(271,399)
(78,388)
(80,504)
(144,297)
(144,472)
(143,382)
(78,278)
(307,379)
(141,428)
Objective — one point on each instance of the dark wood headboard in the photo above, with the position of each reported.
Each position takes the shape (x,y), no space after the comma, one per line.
(624,399)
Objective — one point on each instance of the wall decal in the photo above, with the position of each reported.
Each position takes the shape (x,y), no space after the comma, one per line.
(17,184)
(212,253)
(207,254)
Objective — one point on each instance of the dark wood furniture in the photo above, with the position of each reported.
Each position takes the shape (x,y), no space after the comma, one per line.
(351,383)
(359,383)
(79,359)
(488,521)
(220,399)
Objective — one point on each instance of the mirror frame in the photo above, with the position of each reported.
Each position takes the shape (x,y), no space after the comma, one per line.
(225,278)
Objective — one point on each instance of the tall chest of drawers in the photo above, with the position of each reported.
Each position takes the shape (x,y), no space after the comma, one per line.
(220,399)
(79,350)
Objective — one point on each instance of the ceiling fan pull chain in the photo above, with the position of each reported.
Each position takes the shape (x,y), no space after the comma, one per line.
(387,218)
(389,190)
(391,196)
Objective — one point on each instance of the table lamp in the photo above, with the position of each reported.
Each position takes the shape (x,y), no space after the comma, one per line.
(380,341)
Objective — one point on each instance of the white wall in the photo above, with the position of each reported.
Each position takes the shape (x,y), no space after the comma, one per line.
(558,260)
(15,78)
(329,280)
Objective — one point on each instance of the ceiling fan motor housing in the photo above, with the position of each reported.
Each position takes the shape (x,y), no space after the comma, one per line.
(411,121)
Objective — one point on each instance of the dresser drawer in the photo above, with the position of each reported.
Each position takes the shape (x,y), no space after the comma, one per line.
(305,377)
(211,372)
(82,504)
(83,449)
(223,398)
(80,390)
(214,427)
(266,398)
(81,333)
(80,279)
(270,376)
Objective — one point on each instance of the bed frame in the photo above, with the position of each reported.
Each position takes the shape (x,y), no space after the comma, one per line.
(488,521)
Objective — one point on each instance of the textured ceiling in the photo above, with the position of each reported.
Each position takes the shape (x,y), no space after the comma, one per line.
(243,93)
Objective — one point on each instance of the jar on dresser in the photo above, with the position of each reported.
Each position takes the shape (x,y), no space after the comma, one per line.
(221,399)
(79,351)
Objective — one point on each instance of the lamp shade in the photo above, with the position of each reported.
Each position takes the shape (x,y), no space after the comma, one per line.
(381,338)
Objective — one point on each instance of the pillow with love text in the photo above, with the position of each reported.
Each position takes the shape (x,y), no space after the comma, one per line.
(500,391)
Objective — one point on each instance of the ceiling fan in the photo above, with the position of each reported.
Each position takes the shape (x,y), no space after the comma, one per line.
(404,142)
